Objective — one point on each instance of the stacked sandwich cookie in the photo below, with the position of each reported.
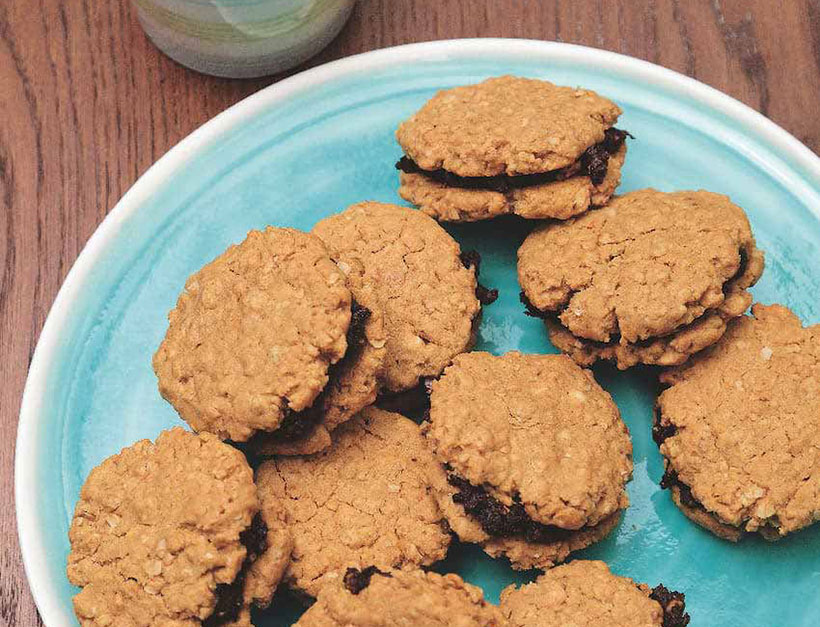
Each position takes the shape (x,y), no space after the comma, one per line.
(651,278)
(536,455)
(278,342)
(511,145)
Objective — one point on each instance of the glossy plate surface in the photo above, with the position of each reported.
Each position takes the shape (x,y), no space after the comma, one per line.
(311,145)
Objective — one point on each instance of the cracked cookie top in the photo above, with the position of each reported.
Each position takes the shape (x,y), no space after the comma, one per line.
(413,267)
(365,501)
(253,334)
(158,528)
(643,266)
(586,594)
(740,424)
(535,430)
(400,598)
(506,125)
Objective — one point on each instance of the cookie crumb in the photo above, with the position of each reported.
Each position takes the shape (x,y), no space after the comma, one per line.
(471,259)
(485,295)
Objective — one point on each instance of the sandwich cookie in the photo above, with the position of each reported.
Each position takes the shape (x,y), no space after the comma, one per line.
(739,428)
(430,296)
(366,501)
(169,532)
(535,452)
(253,335)
(511,145)
(650,278)
(585,593)
(375,598)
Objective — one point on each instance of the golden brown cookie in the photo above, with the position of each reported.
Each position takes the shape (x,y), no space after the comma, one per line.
(252,336)
(353,383)
(644,268)
(511,145)
(414,269)
(739,428)
(166,533)
(586,594)
(365,501)
(374,598)
(536,454)
(506,125)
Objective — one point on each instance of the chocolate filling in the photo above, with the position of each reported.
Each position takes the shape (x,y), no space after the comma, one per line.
(661,432)
(230,597)
(673,604)
(502,521)
(670,479)
(356,580)
(298,424)
(413,403)
(486,296)
(593,163)
(472,259)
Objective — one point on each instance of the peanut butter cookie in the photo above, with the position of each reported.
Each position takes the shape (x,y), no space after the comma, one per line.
(366,501)
(374,598)
(535,452)
(511,145)
(167,533)
(586,594)
(253,334)
(414,268)
(652,277)
(739,428)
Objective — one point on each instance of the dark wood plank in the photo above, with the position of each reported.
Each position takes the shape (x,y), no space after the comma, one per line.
(87,104)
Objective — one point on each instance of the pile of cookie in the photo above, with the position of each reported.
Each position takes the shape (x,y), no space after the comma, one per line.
(294,355)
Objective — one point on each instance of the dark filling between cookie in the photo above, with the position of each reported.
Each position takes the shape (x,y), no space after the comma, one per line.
(356,580)
(298,424)
(472,259)
(593,163)
(673,605)
(230,597)
(503,521)
(670,479)
(413,403)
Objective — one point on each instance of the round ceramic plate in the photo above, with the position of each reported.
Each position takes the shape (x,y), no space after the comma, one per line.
(315,143)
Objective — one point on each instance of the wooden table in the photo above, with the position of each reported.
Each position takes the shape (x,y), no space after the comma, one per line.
(87,104)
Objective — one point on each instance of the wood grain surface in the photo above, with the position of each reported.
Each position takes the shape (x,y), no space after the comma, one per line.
(87,104)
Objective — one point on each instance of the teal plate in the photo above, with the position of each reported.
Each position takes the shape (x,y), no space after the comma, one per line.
(311,145)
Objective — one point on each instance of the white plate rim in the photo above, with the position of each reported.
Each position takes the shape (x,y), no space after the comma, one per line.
(35,557)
